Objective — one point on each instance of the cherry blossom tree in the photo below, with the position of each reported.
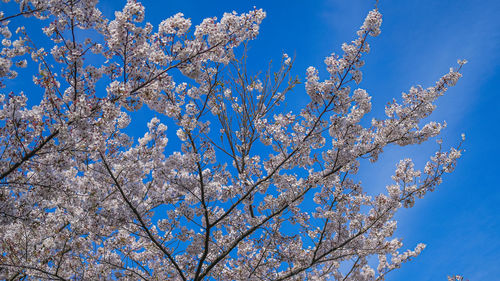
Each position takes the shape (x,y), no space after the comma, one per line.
(247,191)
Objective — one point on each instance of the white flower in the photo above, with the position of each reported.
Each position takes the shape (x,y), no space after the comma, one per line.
(181,135)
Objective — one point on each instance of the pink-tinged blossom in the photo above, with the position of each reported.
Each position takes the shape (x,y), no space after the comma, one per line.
(81,199)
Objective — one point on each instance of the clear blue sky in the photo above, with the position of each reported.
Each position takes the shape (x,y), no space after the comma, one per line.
(420,40)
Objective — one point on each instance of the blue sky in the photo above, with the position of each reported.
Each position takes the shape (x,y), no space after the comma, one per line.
(420,40)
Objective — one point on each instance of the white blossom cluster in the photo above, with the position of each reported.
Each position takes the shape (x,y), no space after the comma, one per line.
(253,192)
